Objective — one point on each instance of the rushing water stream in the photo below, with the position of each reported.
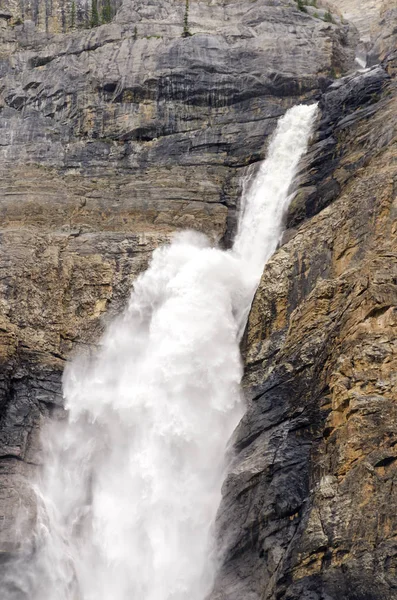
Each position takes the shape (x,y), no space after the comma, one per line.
(132,480)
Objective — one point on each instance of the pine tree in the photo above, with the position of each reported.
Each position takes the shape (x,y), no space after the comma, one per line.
(94,13)
(106,12)
(186,32)
(302,6)
(73,15)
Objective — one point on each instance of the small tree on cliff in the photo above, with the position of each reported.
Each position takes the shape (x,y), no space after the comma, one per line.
(73,15)
(94,14)
(186,32)
(106,12)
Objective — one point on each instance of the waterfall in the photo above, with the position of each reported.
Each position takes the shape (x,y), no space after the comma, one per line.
(132,478)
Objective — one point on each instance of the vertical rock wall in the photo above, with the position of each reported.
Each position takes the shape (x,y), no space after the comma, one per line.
(110,140)
(310,506)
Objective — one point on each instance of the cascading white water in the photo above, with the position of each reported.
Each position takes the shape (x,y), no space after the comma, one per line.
(132,481)
(266,200)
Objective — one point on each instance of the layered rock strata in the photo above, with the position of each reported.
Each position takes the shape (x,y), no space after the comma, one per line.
(310,506)
(111,139)
(114,138)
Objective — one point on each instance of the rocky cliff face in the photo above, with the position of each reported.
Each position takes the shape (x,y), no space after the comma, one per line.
(309,509)
(113,138)
(376,24)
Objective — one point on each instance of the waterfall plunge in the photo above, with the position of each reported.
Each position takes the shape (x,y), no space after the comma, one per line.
(132,481)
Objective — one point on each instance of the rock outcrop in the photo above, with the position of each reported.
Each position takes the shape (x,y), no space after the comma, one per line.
(376,23)
(310,506)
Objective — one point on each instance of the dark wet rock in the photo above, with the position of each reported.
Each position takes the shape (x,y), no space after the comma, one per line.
(309,507)
(327,166)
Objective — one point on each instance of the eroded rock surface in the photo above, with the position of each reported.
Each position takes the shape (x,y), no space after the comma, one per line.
(376,23)
(310,505)
(111,139)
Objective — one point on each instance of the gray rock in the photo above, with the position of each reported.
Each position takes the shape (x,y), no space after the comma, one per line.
(309,507)
(111,139)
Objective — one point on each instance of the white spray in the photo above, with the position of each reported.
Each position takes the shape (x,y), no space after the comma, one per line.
(132,481)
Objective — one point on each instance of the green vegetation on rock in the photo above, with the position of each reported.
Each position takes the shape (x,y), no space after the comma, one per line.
(73,15)
(94,21)
(301,5)
(106,12)
(186,32)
